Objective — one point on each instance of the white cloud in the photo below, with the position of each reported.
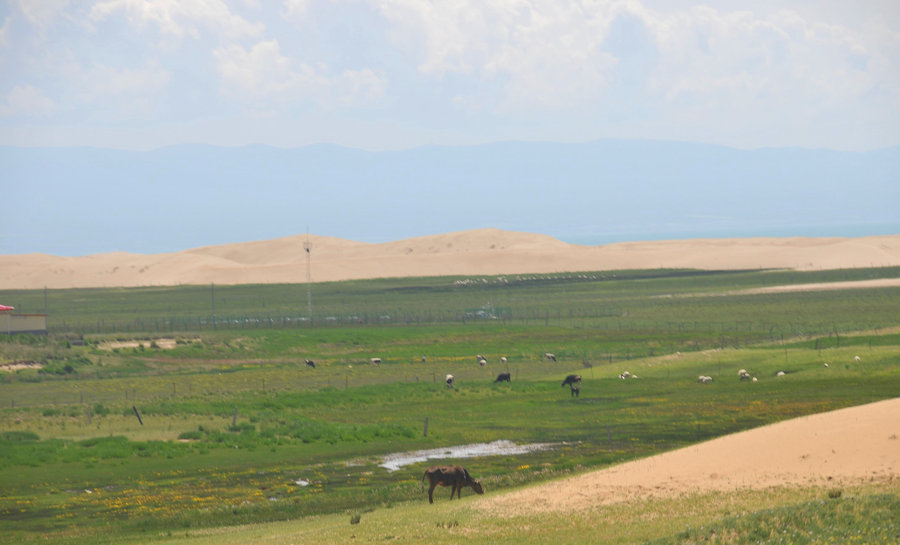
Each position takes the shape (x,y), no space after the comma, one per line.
(26,100)
(180,17)
(263,74)
(547,53)
(467,70)
(42,13)
(552,55)
(295,8)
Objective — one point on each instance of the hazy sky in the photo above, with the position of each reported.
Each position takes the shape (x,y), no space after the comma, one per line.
(390,74)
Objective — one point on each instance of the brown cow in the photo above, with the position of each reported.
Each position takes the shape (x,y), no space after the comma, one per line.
(456,477)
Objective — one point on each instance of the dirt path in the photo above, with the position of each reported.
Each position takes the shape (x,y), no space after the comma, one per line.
(846,446)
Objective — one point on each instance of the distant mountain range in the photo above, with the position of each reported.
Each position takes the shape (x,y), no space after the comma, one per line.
(80,201)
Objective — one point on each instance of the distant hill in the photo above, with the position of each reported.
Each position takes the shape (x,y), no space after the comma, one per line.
(80,201)
(467,253)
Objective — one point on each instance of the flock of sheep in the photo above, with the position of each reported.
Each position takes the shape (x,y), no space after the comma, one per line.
(574,381)
(743,374)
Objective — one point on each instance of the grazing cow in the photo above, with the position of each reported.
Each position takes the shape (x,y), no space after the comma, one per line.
(375,361)
(311,363)
(503,376)
(502,359)
(449,381)
(571,379)
(549,356)
(456,477)
(482,362)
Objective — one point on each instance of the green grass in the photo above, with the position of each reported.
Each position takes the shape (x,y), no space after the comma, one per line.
(233,419)
(602,300)
(867,519)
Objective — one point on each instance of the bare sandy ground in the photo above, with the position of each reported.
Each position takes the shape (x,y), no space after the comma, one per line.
(469,253)
(848,446)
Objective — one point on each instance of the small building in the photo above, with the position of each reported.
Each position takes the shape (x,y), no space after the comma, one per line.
(21,323)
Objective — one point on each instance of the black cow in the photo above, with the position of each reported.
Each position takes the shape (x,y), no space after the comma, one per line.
(311,363)
(456,477)
(571,379)
(501,377)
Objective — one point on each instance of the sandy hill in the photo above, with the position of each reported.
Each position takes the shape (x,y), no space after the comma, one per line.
(478,252)
(844,447)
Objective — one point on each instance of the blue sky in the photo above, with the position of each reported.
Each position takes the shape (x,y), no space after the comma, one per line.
(395,74)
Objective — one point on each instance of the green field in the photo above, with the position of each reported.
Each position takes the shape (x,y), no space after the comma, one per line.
(239,440)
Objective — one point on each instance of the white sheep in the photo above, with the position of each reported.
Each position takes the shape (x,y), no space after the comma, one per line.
(856,359)
(780,374)
(625,375)
(703,379)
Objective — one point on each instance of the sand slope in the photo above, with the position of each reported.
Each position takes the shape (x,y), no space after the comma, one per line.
(479,252)
(845,446)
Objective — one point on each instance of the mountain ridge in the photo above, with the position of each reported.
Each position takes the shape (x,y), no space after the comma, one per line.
(65,201)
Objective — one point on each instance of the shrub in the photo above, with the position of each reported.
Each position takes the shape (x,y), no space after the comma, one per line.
(19,436)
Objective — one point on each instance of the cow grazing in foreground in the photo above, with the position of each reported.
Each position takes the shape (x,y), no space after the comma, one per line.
(456,477)
(503,376)
(311,363)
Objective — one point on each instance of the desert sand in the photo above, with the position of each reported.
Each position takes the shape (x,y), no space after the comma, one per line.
(468,253)
(845,447)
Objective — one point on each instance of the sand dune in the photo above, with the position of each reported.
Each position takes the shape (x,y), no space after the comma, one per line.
(478,252)
(858,444)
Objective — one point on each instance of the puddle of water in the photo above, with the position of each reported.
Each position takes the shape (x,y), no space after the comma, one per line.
(395,461)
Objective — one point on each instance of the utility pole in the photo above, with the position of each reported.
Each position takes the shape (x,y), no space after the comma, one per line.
(307,247)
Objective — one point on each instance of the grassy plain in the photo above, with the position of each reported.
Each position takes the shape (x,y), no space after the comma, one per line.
(239,440)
